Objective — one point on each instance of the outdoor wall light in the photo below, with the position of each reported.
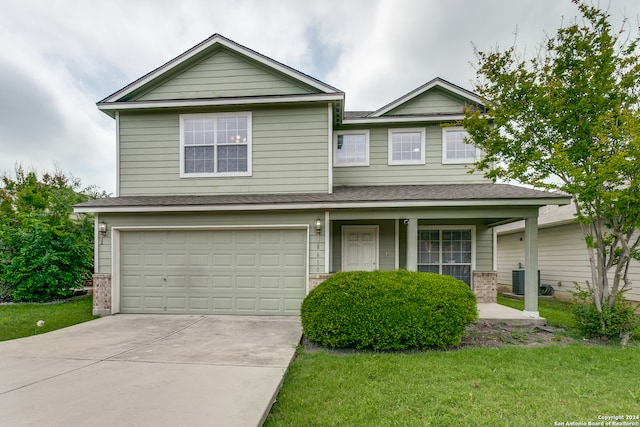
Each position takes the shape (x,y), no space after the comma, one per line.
(318,226)
(102,230)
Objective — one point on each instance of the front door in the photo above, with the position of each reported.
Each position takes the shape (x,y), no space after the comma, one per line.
(359,247)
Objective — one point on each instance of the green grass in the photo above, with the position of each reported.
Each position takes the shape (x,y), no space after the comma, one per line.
(505,386)
(500,386)
(19,320)
(557,313)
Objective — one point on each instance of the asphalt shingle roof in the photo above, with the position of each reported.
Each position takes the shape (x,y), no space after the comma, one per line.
(360,194)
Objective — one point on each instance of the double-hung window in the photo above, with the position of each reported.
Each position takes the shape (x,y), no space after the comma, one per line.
(215,145)
(446,251)
(455,149)
(406,146)
(351,148)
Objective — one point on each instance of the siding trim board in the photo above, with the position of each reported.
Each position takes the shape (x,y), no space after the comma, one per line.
(219,102)
(116,268)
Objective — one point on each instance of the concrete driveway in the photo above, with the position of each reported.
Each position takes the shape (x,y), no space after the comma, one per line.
(148,370)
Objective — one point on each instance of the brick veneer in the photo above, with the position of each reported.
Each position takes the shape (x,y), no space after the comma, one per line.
(101,294)
(485,286)
(316,279)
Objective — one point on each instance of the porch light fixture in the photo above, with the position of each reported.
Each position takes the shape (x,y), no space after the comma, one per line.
(318,226)
(102,230)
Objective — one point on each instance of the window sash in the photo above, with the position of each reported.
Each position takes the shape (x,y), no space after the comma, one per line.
(351,148)
(455,149)
(446,251)
(406,146)
(216,144)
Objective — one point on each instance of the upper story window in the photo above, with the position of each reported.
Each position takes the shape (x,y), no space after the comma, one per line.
(215,145)
(406,146)
(351,148)
(454,147)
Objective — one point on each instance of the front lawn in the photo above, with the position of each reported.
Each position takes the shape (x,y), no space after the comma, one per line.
(505,386)
(557,313)
(533,383)
(19,320)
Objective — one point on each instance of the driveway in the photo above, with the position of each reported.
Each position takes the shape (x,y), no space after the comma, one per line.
(148,370)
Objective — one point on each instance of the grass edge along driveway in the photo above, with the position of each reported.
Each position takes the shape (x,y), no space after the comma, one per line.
(19,320)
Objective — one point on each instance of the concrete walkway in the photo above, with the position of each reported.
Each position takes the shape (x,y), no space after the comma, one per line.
(148,370)
(497,313)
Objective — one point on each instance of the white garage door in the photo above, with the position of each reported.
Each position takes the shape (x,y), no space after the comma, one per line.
(254,272)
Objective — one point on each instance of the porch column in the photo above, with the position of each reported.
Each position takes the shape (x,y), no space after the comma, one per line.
(412,244)
(531,267)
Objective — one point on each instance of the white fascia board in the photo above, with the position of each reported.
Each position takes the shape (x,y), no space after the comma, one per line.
(322,205)
(213,40)
(518,226)
(403,119)
(419,91)
(119,106)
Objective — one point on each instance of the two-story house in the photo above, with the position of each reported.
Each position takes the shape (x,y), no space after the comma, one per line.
(242,183)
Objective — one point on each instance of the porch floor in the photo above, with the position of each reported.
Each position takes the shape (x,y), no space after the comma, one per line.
(493,313)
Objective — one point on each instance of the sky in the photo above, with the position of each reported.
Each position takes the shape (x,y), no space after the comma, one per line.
(58,58)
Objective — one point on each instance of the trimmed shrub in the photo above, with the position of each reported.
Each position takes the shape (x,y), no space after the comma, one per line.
(388,310)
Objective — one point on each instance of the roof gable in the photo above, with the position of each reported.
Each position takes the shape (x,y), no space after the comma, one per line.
(218,60)
(435,97)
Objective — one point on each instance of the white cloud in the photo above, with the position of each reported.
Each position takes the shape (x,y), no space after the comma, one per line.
(60,58)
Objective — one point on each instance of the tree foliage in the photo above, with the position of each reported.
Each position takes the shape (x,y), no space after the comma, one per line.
(568,120)
(45,250)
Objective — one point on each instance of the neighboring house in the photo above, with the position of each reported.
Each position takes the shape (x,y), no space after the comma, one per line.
(242,183)
(562,253)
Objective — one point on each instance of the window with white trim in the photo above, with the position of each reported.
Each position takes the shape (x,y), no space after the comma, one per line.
(454,147)
(215,144)
(351,148)
(406,146)
(446,251)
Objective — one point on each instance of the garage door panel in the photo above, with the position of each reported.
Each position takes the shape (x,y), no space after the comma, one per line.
(223,282)
(213,271)
(149,281)
(270,282)
(176,260)
(199,260)
(199,281)
(222,260)
(294,282)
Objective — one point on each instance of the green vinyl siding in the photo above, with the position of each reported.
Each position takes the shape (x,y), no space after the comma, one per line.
(380,173)
(289,150)
(224,74)
(431,102)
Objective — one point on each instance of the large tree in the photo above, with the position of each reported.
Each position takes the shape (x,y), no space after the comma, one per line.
(46,252)
(567,119)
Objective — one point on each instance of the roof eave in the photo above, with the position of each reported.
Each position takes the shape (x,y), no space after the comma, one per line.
(111,107)
(325,205)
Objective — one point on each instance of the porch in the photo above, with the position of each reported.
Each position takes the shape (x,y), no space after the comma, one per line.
(494,313)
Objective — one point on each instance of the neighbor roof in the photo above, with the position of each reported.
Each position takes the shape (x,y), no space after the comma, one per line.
(342,197)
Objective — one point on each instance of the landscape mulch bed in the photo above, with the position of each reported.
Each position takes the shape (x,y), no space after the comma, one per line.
(485,335)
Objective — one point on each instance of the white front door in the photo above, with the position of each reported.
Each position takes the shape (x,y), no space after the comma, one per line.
(359,247)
